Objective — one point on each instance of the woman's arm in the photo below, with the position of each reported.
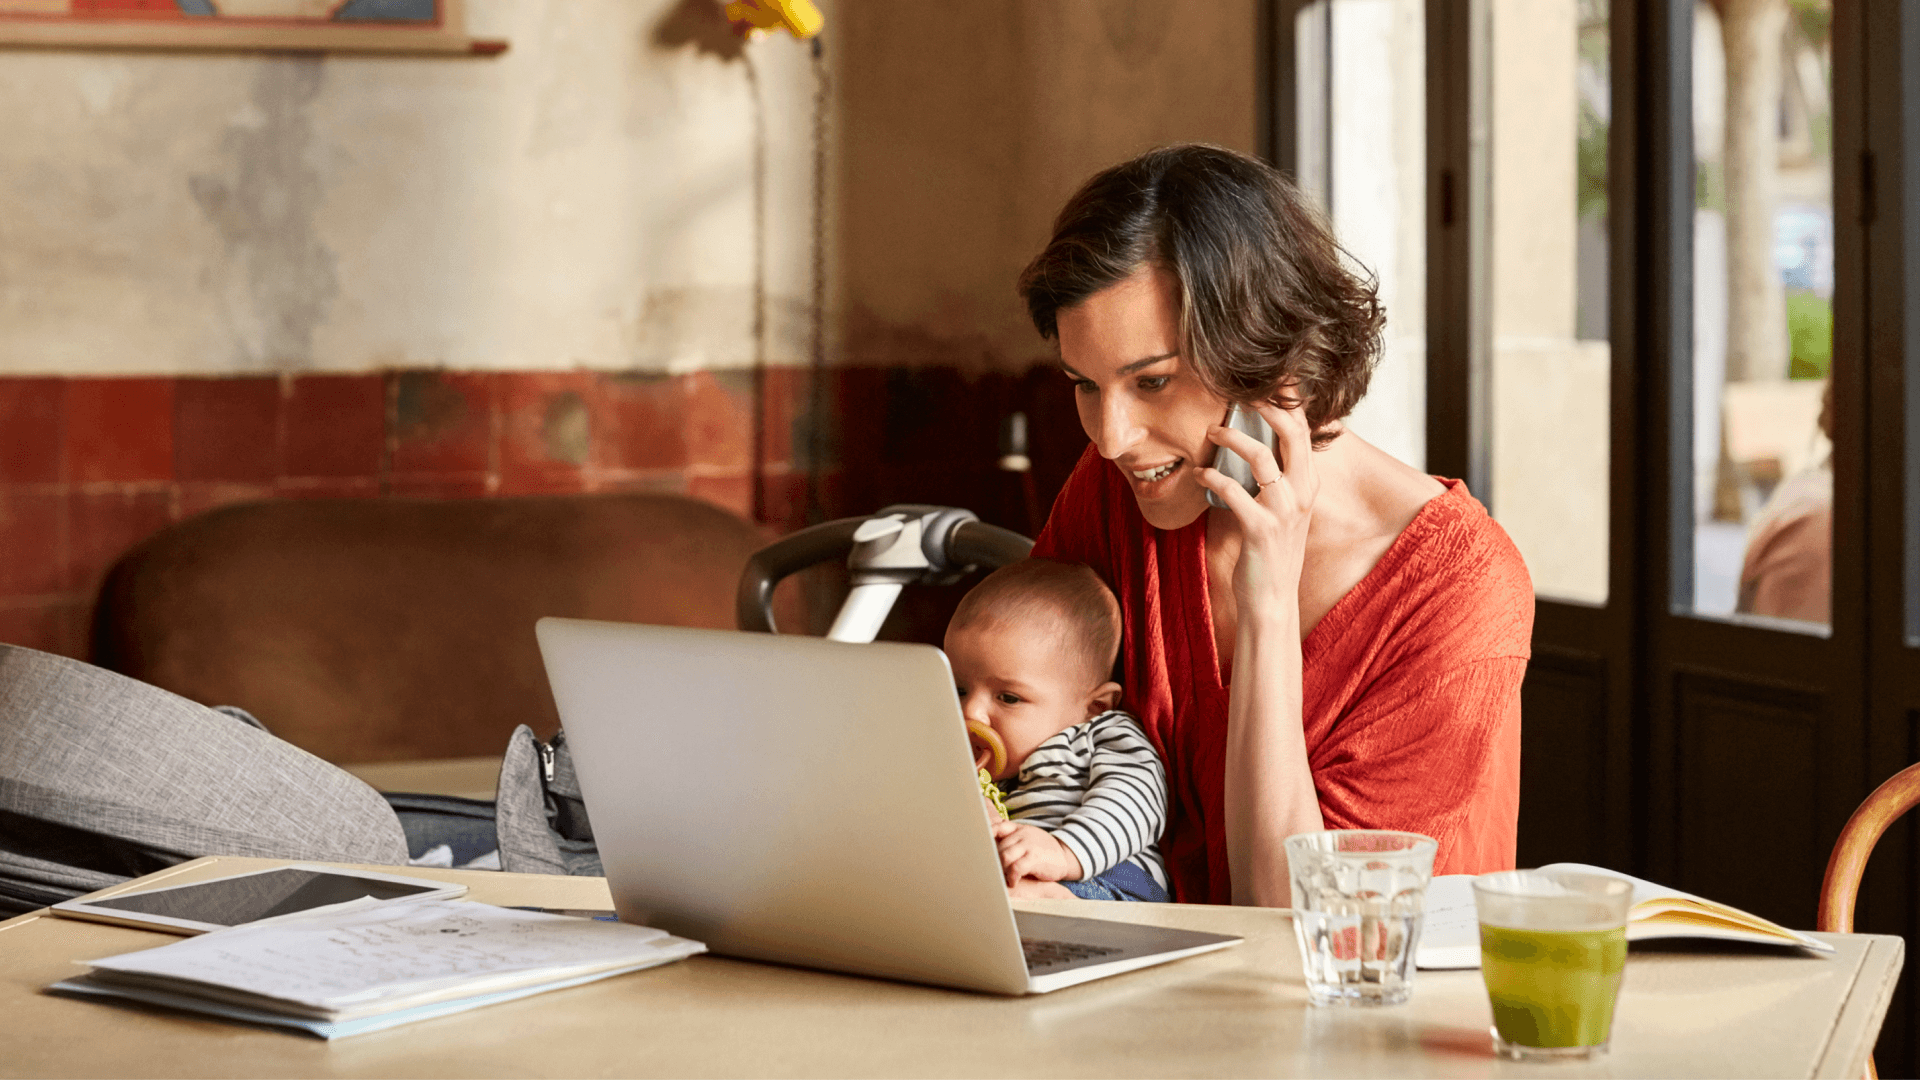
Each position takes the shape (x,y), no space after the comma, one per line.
(1269,790)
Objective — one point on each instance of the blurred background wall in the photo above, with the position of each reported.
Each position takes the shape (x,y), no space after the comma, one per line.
(590,263)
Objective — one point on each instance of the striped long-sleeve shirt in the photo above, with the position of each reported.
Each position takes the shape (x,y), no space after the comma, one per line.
(1100,789)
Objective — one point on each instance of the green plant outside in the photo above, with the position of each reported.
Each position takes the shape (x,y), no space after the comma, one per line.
(1591,160)
(1810,331)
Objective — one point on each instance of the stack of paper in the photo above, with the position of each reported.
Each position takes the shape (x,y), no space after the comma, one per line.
(1450,937)
(368,965)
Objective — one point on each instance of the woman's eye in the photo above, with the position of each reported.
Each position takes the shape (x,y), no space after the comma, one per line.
(1006,698)
(1085,386)
(1153,382)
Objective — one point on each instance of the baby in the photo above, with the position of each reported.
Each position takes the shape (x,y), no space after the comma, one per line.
(1032,647)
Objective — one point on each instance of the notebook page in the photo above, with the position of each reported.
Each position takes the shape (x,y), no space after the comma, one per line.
(1450,938)
(1643,890)
(336,1029)
(1450,933)
(1660,912)
(337,959)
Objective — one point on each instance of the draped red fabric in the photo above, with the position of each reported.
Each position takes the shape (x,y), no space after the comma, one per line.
(1411,697)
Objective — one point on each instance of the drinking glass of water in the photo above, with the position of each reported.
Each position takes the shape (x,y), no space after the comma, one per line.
(1358,898)
(1553,945)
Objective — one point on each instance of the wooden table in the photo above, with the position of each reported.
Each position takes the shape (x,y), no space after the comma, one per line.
(469,778)
(1746,1012)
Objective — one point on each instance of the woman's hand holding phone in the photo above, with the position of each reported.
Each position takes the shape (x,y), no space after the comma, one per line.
(1241,418)
(1269,786)
(1273,510)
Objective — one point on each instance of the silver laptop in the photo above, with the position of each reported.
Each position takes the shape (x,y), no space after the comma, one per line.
(809,802)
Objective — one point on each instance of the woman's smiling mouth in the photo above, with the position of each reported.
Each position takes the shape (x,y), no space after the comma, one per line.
(1158,473)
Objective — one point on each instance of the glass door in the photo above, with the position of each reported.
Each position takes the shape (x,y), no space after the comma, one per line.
(1763,293)
(1672,298)
(1360,153)
(1551,361)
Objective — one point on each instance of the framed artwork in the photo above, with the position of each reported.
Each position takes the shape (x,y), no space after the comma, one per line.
(401,26)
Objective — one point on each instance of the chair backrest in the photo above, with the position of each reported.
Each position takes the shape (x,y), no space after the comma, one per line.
(1850,852)
(387,629)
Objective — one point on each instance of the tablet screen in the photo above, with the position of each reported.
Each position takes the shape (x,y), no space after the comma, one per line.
(236,900)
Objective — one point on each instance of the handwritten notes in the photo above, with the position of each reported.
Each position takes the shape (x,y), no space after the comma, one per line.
(378,960)
(1450,938)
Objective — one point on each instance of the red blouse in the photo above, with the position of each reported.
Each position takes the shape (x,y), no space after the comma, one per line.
(1411,693)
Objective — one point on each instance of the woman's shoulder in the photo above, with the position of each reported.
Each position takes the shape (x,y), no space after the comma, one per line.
(1463,563)
(1460,536)
(1453,580)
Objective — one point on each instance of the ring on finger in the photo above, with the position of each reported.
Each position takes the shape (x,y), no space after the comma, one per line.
(1264,485)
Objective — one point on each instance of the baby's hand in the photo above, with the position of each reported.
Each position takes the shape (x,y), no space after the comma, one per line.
(1028,889)
(1029,852)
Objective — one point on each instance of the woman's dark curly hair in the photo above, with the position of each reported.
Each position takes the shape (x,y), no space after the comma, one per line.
(1266,293)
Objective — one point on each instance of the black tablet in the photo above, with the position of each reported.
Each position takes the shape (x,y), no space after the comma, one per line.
(202,906)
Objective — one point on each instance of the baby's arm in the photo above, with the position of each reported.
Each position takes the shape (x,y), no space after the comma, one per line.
(1124,810)
(1028,851)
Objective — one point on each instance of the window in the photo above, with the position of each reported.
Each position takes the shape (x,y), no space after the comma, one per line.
(1361,153)
(1763,274)
(1551,364)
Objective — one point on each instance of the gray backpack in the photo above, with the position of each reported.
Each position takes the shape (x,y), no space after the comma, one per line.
(103,778)
(541,820)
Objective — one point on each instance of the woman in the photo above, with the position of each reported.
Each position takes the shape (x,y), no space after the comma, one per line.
(1343,649)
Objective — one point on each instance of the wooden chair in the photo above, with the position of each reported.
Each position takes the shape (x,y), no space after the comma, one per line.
(1864,829)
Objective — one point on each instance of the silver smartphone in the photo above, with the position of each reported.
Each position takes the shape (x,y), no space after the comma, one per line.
(1243,418)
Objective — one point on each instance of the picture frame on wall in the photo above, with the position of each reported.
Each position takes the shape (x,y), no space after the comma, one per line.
(369,26)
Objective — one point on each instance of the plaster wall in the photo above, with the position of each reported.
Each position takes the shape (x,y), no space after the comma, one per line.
(586,200)
(1551,440)
(961,130)
(1535,183)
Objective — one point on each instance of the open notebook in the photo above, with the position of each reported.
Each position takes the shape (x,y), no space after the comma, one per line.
(1450,937)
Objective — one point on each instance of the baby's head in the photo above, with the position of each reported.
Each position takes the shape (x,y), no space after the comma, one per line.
(1032,647)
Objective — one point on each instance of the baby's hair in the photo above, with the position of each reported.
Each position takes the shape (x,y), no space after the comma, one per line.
(1072,594)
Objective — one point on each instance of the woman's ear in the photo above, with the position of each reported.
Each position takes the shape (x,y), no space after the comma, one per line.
(1105,698)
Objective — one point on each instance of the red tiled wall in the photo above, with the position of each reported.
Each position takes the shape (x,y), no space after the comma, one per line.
(89,467)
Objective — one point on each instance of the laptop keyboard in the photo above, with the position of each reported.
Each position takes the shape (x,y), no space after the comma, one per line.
(1042,954)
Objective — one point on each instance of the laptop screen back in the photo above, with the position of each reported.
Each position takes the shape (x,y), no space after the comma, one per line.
(786,798)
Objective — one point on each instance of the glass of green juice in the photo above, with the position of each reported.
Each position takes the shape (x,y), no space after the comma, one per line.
(1553,945)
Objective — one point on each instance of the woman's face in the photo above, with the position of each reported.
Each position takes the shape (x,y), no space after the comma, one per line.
(1140,403)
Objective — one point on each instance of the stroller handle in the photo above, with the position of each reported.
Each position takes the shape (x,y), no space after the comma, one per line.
(968,543)
(974,544)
